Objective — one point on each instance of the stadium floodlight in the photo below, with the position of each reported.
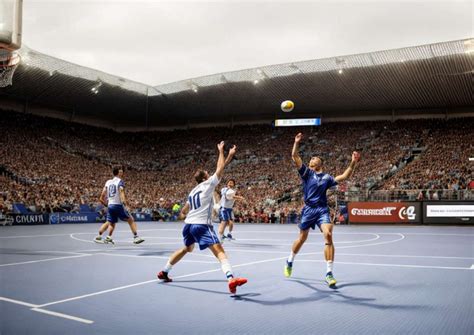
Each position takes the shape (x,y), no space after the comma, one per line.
(340,71)
(95,89)
(255,82)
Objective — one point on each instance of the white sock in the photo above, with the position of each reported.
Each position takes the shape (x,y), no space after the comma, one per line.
(168,267)
(329,265)
(227,269)
(291,258)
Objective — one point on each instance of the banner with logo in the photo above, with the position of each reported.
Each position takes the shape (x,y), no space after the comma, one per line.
(448,212)
(56,218)
(29,219)
(384,212)
(142,216)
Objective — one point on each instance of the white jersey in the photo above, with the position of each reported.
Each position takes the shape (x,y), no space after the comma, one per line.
(201,201)
(112,187)
(227,197)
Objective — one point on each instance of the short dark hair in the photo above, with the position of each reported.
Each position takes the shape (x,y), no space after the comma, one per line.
(200,176)
(116,169)
(232,180)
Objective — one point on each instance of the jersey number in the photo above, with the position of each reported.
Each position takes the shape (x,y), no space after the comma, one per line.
(194,200)
(112,191)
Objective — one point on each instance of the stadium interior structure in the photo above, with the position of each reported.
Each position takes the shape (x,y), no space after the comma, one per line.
(409,111)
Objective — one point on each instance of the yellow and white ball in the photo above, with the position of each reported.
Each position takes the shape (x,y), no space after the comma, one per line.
(287,106)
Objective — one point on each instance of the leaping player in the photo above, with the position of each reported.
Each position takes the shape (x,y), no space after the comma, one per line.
(198,225)
(226,215)
(316,211)
(113,197)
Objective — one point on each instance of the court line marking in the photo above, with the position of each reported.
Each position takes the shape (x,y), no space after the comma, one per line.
(197,273)
(45,260)
(390,265)
(160,257)
(37,308)
(472,267)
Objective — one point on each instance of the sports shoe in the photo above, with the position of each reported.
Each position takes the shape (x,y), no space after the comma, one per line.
(288,269)
(330,279)
(99,239)
(229,236)
(164,277)
(109,239)
(138,240)
(234,282)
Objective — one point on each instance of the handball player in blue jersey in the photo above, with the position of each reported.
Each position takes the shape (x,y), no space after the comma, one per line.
(316,211)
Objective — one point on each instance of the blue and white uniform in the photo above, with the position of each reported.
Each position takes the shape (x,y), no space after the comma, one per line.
(226,203)
(198,228)
(316,211)
(115,207)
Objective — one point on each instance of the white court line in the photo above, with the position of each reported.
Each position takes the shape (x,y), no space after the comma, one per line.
(407,256)
(37,308)
(160,257)
(390,265)
(33,236)
(199,273)
(472,267)
(45,260)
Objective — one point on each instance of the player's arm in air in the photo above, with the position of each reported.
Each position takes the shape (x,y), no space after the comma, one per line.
(350,170)
(221,161)
(102,198)
(295,155)
(184,211)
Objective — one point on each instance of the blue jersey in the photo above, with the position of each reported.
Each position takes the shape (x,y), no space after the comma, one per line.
(315,186)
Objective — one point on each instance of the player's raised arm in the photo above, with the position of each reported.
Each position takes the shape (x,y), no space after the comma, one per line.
(348,172)
(221,162)
(295,155)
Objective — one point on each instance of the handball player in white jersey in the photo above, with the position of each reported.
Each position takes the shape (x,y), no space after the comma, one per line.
(198,226)
(113,197)
(226,214)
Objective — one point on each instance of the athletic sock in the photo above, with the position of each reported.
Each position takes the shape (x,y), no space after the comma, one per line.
(329,265)
(291,258)
(168,267)
(227,269)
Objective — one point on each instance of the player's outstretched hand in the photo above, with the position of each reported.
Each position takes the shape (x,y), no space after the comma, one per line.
(233,150)
(220,146)
(298,138)
(355,156)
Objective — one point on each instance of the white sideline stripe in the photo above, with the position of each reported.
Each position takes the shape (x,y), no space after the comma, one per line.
(61,315)
(45,260)
(160,257)
(203,272)
(44,311)
(18,302)
(407,256)
(391,265)
(472,267)
(31,236)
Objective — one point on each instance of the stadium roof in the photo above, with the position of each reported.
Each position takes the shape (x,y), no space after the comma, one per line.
(434,76)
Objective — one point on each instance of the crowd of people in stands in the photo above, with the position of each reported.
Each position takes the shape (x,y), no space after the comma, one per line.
(52,165)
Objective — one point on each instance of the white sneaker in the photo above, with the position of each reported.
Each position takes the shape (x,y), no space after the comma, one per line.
(109,239)
(99,239)
(138,240)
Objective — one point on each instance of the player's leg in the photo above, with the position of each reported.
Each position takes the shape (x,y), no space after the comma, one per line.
(231,227)
(109,239)
(308,220)
(221,229)
(329,251)
(133,228)
(110,218)
(220,254)
(295,248)
(189,241)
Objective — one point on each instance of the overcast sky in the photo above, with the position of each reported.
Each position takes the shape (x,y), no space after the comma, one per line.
(157,42)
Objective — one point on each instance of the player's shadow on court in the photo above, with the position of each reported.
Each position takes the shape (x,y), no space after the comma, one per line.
(156,253)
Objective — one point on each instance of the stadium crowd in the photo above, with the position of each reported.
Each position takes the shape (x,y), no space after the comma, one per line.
(52,165)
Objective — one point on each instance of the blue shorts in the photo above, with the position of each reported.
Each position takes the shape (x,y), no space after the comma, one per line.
(115,212)
(314,216)
(226,214)
(203,234)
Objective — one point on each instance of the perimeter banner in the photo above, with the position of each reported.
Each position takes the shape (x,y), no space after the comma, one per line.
(29,219)
(384,212)
(56,218)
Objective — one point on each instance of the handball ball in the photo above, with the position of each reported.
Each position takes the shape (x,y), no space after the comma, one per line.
(287,106)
